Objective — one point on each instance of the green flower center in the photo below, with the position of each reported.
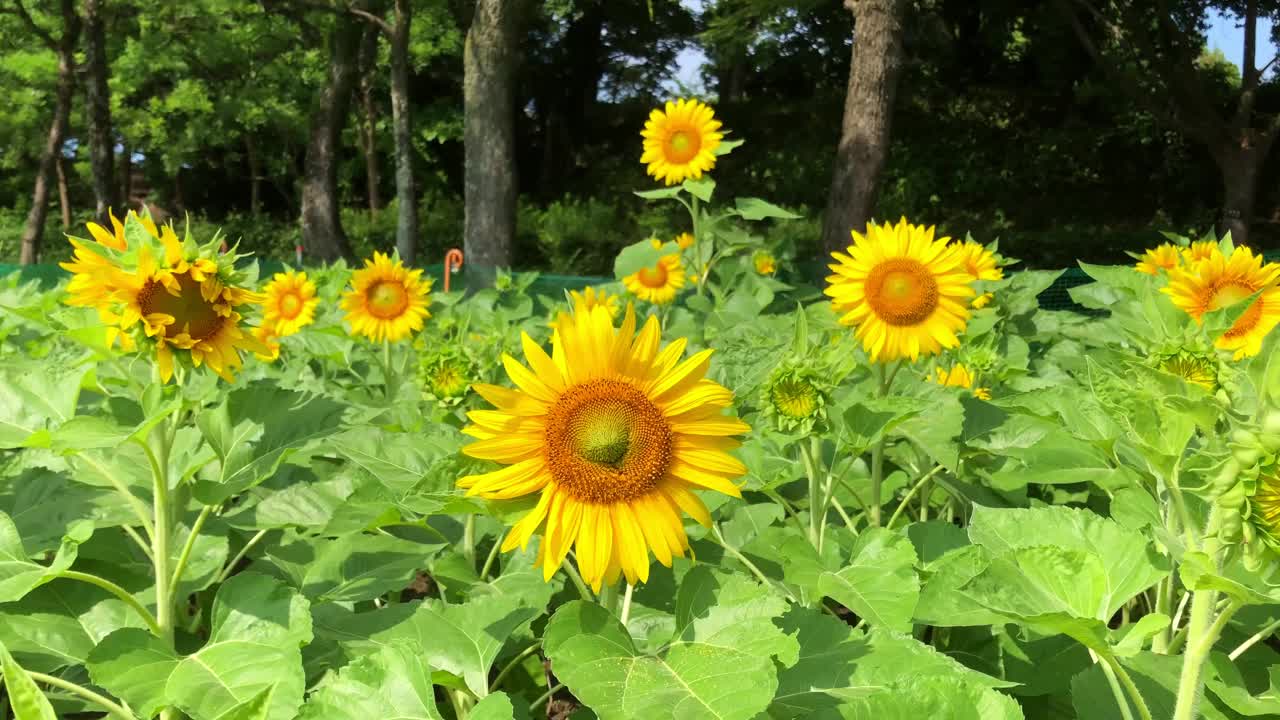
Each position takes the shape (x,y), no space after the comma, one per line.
(795,398)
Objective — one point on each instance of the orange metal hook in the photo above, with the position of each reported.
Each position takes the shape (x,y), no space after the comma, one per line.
(452,264)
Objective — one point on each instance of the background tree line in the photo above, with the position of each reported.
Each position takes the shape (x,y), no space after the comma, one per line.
(1067,128)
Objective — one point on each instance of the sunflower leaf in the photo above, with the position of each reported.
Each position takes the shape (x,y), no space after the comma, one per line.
(394,681)
(635,257)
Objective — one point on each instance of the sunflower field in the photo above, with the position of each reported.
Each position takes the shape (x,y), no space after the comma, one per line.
(905,491)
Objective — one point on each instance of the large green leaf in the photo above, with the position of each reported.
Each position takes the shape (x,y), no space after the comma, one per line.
(879,583)
(634,257)
(594,655)
(460,639)
(932,697)
(349,568)
(394,682)
(837,663)
(256,429)
(756,209)
(259,624)
(58,625)
(134,665)
(25,699)
(34,396)
(941,602)
(1128,559)
(18,575)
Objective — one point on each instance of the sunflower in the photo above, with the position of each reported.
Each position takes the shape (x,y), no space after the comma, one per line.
(1200,250)
(1265,504)
(592,297)
(1195,368)
(613,433)
(445,376)
(684,241)
(979,262)
(960,376)
(290,303)
(905,291)
(1220,281)
(680,141)
(94,276)
(1162,257)
(658,283)
(387,301)
(764,263)
(184,297)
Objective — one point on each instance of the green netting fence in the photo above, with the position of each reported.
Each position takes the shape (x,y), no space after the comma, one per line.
(1056,297)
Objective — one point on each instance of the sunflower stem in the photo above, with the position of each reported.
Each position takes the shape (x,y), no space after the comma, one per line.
(162,440)
(1203,629)
(583,590)
(626,605)
(469,541)
(114,709)
(924,479)
(817,508)
(387,376)
(697,245)
(493,555)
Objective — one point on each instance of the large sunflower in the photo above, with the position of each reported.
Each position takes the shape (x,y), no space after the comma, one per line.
(658,283)
(1163,257)
(613,433)
(1220,281)
(1200,250)
(184,297)
(680,141)
(904,290)
(590,297)
(387,301)
(289,303)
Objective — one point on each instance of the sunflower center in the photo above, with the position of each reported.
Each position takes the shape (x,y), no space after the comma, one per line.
(1247,321)
(795,398)
(606,442)
(290,306)
(682,146)
(191,313)
(902,292)
(654,277)
(387,300)
(1228,295)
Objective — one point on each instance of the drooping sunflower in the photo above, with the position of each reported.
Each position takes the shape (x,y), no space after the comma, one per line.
(905,291)
(684,241)
(657,283)
(680,141)
(979,262)
(1163,257)
(1220,281)
(613,433)
(960,376)
(387,301)
(1264,504)
(289,303)
(591,297)
(764,262)
(184,297)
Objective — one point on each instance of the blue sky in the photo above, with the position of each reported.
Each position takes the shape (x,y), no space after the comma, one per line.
(1225,34)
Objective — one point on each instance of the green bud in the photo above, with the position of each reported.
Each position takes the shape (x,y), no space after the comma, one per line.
(1247,456)
(1232,499)
(1271,431)
(1227,477)
(1241,436)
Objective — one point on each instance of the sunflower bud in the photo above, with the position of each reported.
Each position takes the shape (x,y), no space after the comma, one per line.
(1197,368)
(796,396)
(446,378)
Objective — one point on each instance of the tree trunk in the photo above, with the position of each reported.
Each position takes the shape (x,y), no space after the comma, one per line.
(33,231)
(64,193)
(255,174)
(1240,165)
(98,109)
(369,131)
(322,233)
(489,63)
(868,113)
(126,176)
(406,195)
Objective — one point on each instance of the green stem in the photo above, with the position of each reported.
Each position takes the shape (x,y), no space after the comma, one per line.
(544,697)
(1116,691)
(608,598)
(626,605)
(469,541)
(231,566)
(817,508)
(515,662)
(1202,629)
(139,509)
(1129,686)
(493,555)
(715,532)
(907,498)
(697,246)
(185,555)
(387,376)
(583,590)
(111,707)
(119,592)
(877,452)
(1254,639)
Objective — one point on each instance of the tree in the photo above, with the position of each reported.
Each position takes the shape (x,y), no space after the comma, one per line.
(322,232)
(64,46)
(369,128)
(868,116)
(489,63)
(98,108)
(398,33)
(1154,51)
